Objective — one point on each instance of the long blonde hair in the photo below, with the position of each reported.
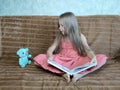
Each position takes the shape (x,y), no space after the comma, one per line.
(72,31)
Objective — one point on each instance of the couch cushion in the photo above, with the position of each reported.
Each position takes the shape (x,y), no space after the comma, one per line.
(12,77)
(102,32)
(38,32)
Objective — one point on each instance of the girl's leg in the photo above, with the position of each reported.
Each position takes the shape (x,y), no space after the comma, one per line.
(81,74)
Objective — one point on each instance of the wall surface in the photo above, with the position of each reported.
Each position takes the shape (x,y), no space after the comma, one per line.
(56,7)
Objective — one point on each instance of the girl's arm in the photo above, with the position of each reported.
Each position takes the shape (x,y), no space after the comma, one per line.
(51,49)
(88,50)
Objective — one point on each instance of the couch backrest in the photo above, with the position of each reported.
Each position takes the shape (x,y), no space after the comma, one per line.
(38,32)
(0,39)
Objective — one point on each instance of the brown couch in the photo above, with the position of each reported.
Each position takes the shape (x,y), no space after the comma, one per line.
(37,33)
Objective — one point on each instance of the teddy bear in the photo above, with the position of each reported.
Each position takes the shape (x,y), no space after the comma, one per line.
(24,57)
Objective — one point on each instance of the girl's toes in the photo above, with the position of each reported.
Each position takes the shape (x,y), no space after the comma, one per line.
(67,77)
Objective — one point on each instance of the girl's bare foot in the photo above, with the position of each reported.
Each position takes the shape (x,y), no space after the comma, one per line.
(67,77)
(76,77)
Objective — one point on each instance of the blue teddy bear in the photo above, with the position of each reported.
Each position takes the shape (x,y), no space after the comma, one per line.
(23,54)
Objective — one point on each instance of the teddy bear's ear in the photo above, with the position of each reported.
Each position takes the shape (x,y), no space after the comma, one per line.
(26,49)
(18,52)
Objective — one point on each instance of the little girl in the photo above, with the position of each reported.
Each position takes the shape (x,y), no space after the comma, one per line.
(73,50)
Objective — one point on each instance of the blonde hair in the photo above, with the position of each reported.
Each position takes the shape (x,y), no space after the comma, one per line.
(72,31)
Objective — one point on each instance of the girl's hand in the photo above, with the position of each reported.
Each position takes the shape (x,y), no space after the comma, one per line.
(50,58)
(94,60)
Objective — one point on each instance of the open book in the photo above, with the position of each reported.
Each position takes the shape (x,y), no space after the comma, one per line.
(74,70)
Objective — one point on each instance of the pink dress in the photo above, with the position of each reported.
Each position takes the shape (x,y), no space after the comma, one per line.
(67,57)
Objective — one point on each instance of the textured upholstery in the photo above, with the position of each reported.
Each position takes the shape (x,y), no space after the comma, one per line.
(0,39)
(37,33)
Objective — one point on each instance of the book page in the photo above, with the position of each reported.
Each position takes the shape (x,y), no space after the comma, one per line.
(78,70)
(73,71)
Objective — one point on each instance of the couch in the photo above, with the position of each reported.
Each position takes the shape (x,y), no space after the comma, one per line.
(37,33)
